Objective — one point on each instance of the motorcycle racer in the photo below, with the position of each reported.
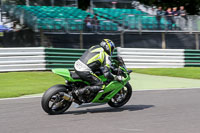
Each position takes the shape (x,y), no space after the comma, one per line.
(95,58)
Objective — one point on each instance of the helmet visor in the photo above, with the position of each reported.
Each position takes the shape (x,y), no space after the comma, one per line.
(112,47)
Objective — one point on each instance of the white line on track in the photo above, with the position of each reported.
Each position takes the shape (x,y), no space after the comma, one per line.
(169,89)
(23,97)
(40,95)
(128,129)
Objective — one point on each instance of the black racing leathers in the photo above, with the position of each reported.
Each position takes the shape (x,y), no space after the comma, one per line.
(92,60)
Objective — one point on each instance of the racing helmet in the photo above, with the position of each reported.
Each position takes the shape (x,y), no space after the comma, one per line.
(108,46)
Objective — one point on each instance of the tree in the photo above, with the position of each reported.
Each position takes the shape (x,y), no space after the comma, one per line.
(83,4)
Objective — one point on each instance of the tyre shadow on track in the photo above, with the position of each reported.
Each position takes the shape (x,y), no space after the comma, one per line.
(110,109)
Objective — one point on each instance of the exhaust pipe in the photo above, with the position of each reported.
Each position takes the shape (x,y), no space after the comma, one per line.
(68,97)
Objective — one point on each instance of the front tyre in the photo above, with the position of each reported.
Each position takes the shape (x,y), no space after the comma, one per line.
(122,97)
(52,101)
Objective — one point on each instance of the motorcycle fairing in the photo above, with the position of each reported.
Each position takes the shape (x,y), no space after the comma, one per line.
(111,90)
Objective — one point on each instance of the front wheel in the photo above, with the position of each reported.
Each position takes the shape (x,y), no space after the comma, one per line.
(122,97)
(52,101)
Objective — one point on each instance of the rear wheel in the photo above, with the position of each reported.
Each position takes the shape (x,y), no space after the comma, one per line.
(52,101)
(122,97)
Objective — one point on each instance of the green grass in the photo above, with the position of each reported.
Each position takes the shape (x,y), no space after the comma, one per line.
(187,72)
(14,84)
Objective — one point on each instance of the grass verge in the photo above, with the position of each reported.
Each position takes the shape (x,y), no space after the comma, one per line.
(187,72)
(14,84)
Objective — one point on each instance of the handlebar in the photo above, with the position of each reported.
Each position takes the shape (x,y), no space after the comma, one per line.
(130,71)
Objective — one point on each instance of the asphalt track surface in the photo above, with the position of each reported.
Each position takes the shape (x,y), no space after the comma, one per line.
(169,111)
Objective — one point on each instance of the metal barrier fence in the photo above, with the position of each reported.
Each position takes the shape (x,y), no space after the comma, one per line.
(73,26)
(62,57)
(136,23)
(30,59)
(22,59)
(159,58)
(152,58)
(106,22)
(192,58)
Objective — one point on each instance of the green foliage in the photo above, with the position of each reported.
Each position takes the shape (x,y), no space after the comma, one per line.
(187,72)
(83,4)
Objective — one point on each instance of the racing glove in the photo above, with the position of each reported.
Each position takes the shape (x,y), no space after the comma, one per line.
(106,71)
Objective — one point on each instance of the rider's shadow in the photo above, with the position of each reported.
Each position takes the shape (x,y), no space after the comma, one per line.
(109,109)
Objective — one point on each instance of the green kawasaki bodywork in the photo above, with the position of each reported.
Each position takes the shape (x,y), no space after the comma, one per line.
(65,73)
(103,96)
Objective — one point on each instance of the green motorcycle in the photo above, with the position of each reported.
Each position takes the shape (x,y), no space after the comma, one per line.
(57,99)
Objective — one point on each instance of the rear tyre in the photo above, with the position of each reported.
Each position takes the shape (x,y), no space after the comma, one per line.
(122,97)
(52,101)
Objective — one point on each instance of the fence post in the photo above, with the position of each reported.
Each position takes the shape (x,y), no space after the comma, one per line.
(122,39)
(81,39)
(27,3)
(197,40)
(52,2)
(163,41)
(41,38)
